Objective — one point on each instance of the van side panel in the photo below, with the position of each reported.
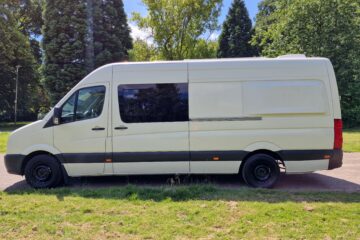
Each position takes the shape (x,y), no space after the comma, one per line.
(284,97)
(286,104)
(148,147)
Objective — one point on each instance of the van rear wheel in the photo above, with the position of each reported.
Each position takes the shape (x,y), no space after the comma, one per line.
(261,171)
(43,171)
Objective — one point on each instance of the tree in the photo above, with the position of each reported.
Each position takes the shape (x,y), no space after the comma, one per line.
(28,16)
(265,17)
(142,51)
(15,50)
(325,28)
(112,38)
(63,44)
(79,36)
(89,37)
(236,33)
(205,49)
(177,26)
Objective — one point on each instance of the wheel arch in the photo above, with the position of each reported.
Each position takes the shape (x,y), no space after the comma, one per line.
(271,153)
(36,153)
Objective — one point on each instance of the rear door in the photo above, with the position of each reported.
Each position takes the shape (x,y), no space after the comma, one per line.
(150,119)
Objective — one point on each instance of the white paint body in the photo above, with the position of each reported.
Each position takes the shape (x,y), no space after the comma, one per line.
(296,99)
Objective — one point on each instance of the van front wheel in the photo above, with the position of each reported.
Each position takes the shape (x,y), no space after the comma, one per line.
(261,171)
(43,171)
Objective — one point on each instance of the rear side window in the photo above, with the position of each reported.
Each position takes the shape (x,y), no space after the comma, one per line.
(144,103)
(84,104)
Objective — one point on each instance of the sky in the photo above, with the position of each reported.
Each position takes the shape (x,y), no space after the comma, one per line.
(137,6)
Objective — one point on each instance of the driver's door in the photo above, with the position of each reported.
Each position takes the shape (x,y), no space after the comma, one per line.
(83,129)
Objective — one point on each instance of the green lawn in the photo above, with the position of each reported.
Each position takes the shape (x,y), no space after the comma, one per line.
(352,140)
(182,212)
(3,141)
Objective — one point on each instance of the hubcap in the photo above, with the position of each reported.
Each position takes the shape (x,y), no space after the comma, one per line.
(262,172)
(42,173)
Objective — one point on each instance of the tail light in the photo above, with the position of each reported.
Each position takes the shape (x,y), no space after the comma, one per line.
(338,139)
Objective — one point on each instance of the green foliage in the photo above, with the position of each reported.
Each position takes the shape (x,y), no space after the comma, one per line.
(63,35)
(28,16)
(142,51)
(236,33)
(111,32)
(177,26)
(15,49)
(79,36)
(327,28)
(204,49)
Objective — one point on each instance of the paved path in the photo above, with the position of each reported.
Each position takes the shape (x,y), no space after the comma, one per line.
(346,178)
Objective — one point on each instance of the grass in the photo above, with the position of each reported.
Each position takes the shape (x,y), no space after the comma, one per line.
(3,141)
(351,137)
(352,140)
(182,212)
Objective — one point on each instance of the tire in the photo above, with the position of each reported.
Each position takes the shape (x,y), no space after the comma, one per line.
(43,171)
(261,171)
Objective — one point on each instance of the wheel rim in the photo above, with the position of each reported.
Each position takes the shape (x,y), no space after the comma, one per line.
(262,172)
(42,173)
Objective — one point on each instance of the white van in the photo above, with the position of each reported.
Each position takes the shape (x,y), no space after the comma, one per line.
(251,117)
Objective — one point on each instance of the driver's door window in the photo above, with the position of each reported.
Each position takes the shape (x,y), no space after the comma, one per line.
(68,110)
(86,103)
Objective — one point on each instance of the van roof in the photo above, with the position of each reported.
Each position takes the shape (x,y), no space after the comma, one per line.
(283,57)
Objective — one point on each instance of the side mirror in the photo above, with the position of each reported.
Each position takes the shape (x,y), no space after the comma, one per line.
(56,116)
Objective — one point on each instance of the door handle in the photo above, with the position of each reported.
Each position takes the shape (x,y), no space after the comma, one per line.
(121,128)
(98,129)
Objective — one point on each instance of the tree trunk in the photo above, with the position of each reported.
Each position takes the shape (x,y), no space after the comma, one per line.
(89,38)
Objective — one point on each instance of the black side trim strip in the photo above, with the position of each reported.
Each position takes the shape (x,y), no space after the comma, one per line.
(222,155)
(286,155)
(296,155)
(82,157)
(151,156)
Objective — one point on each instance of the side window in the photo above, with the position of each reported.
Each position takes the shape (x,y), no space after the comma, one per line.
(68,109)
(143,103)
(84,104)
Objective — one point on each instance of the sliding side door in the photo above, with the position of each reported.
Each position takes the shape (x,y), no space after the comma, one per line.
(150,119)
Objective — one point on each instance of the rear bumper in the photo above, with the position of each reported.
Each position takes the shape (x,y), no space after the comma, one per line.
(13,163)
(336,159)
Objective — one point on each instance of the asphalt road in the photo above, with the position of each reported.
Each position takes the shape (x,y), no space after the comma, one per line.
(346,178)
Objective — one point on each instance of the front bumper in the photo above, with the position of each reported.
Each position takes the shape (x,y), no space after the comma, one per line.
(336,159)
(14,163)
